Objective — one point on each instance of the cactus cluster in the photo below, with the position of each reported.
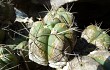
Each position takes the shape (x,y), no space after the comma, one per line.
(52,42)
(98,58)
(98,37)
(53,37)
(50,38)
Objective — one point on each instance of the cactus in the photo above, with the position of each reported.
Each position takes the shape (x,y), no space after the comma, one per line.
(96,36)
(60,42)
(7,58)
(102,57)
(82,63)
(51,38)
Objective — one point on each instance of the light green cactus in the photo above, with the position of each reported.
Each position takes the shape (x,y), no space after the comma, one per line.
(102,57)
(51,38)
(96,36)
(38,43)
(59,40)
(59,16)
(7,58)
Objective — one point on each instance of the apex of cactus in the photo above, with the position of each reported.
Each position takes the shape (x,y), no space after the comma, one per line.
(58,16)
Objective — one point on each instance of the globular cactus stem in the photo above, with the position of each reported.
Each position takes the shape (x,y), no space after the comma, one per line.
(96,36)
(50,38)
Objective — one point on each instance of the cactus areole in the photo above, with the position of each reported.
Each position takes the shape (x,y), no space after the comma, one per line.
(51,37)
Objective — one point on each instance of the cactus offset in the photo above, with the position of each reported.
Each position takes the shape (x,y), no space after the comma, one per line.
(97,37)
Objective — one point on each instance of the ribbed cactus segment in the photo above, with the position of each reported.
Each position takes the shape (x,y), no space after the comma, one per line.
(96,36)
(58,16)
(58,43)
(91,33)
(102,41)
(64,16)
(22,46)
(51,20)
(55,46)
(35,28)
(38,43)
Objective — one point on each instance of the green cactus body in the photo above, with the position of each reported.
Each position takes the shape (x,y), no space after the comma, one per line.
(102,41)
(50,20)
(43,35)
(55,45)
(59,16)
(38,43)
(22,48)
(35,28)
(96,36)
(50,39)
(103,57)
(91,33)
(21,45)
(7,57)
(65,17)
(58,43)
(61,10)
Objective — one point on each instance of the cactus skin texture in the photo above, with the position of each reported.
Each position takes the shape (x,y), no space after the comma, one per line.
(51,38)
(38,43)
(59,16)
(7,58)
(82,63)
(58,43)
(97,37)
(102,57)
